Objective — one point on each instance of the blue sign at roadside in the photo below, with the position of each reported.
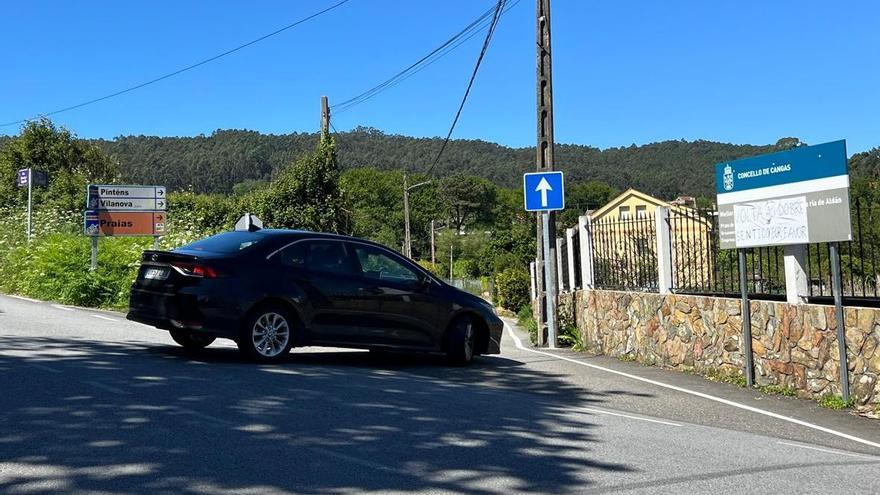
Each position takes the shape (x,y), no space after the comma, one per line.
(23,177)
(784,167)
(544,191)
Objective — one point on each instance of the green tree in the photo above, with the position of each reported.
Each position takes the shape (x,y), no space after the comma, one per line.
(71,164)
(467,200)
(305,195)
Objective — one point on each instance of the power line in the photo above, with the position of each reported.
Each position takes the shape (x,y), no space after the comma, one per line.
(180,71)
(486,42)
(469,31)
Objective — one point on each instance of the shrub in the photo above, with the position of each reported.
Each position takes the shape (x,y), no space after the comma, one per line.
(525,318)
(431,267)
(512,288)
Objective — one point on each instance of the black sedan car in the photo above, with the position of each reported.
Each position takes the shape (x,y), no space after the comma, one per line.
(270,290)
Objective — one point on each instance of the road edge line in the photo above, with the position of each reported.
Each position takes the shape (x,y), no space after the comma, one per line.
(738,405)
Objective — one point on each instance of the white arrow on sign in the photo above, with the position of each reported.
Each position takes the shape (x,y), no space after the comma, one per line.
(543,186)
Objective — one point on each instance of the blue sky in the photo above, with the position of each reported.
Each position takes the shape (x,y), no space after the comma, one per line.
(625,72)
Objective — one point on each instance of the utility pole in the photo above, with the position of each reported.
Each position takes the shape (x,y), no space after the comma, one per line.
(451,264)
(407,235)
(433,260)
(325,118)
(407,240)
(545,163)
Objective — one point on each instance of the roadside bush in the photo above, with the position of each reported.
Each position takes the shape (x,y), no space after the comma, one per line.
(56,268)
(512,288)
(525,318)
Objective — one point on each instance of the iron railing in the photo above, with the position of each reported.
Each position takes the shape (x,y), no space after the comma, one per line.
(624,254)
(700,266)
(860,272)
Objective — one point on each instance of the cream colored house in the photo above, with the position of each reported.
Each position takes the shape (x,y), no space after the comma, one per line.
(624,240)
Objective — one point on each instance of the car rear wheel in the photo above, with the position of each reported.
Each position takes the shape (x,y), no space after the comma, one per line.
(191,341)
(266,335)
(460,346)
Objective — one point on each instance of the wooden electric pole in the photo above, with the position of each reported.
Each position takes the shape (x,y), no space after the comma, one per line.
(325,118)
(545,162)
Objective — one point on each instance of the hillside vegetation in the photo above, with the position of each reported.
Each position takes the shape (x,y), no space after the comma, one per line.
(226,158)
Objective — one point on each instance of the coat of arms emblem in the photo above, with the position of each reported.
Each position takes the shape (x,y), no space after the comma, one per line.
(728,178)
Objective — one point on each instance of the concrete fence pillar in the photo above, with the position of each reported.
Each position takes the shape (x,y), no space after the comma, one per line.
(569,245)
(664,249)
(560,273)
(797,283)
(585,236)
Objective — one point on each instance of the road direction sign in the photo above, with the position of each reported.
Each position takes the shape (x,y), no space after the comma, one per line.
(100,223)
(544,191)
(126,198)
(799,196)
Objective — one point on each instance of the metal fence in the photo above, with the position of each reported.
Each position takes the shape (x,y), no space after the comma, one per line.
(858,260)
(624,257)
(700,266)
(624,254)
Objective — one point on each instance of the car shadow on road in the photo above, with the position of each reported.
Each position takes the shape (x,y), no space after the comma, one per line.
(80,415)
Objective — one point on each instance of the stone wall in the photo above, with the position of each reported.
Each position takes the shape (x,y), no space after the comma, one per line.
(793,345)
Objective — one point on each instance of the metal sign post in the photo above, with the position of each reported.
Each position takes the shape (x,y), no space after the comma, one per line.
(549,282)
(94,264)
(837,288)
(30,184)
(544,192)
(746,313)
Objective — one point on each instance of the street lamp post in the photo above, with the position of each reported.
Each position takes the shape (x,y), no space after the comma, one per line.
(407,237)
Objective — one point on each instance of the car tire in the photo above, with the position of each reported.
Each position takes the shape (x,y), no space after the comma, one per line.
(461,339)
(267,335)
(191,341)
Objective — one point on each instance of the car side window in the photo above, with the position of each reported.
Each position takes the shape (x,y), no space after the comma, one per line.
(318,256)
(378,265)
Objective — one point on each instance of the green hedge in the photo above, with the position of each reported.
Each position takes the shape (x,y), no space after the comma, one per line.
(512,288)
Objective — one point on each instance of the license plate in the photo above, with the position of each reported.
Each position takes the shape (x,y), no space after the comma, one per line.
(156,274)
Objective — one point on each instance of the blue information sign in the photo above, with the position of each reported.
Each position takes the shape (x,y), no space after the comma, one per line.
(544,191)
(799,196)
(23,177)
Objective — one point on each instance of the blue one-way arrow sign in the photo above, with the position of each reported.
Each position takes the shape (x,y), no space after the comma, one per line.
(544,191)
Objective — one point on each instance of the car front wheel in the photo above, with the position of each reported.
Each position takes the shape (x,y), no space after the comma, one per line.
(191,341)
(266,335)
(460,348)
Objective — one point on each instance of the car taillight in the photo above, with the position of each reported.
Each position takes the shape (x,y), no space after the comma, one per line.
(195,270)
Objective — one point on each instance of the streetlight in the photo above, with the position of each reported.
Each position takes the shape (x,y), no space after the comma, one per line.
(407,238)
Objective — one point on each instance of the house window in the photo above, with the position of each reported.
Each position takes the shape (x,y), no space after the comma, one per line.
(623,213)
(641,211)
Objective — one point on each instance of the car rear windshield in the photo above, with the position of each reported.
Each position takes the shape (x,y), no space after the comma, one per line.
(225,243)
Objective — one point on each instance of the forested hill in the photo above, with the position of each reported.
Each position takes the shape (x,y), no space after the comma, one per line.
(217,162)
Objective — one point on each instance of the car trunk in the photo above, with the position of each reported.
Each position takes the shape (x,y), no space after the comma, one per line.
(166,288)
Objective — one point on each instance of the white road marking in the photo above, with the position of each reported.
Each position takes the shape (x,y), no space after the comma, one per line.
(108,388)
(609,413)
(24,298)
(105,318)
(806,424)
(809,447)
(63,308)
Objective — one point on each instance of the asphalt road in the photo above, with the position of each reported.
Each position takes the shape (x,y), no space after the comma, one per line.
(91,403)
